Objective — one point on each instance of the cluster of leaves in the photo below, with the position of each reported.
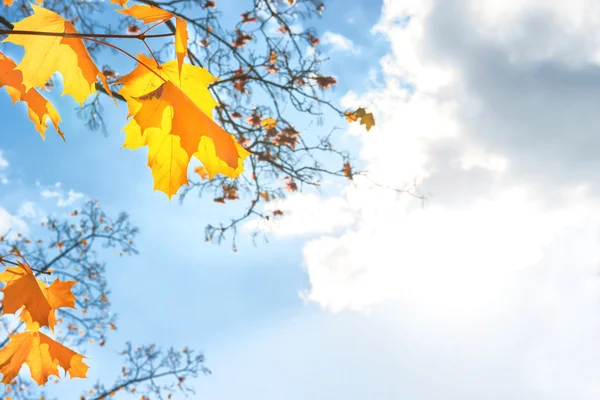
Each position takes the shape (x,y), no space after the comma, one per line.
(265,62)
(35,303)
(67,253)
(170,106)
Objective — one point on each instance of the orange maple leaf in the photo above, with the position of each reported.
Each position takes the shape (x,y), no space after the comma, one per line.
(43,356)
(174,119)
(23,291)
(45,55)
(361,114)
(40,109)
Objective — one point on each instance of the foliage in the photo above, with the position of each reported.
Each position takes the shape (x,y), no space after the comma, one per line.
(171,106)
(270,73)
(68,251)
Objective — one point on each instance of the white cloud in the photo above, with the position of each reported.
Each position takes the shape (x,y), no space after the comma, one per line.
(3,162)
(56,192)
(308,214)
(339,42)
(478,198)
(9,222)
(72,197)
(27,210)
(53,192)
(3,165)
(497,276)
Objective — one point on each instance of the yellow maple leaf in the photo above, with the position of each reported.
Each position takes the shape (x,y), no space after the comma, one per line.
(45,55)
(178,129)
(39,109)
(23,291)
(269,123)
(119,2)
(150,14)
(43,356)
(361,114)
(147,14)
(169,157)
(149,76)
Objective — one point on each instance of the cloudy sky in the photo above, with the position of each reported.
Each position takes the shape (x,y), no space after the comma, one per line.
(488,289)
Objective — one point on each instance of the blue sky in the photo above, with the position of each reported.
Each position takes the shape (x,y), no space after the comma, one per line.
(489,290)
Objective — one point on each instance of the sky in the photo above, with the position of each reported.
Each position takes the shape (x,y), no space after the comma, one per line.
(488,289)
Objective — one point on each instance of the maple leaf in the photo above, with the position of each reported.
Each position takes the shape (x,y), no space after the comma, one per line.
(122,3)
(290,184)
(361,114)
(45,55)
(288,137)
(347,170)
(201,171)
(39,109)
(23,290)
(247,17)
(313,40)
(147,14)
(133,29)
(241,38)
(150,14)
(269,123)
(253,120)
(167,116)
(43,356)
(265,196)
(325,82)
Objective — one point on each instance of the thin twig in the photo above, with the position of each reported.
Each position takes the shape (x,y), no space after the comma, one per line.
(81,35)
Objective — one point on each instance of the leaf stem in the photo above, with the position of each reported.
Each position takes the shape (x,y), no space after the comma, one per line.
(84,35)
(143,64)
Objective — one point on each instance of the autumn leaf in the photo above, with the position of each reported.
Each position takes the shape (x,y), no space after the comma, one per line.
(150,14)
(265,196)
(201,171)
(290,184)
(347,170)
(253,120)
(147,14)
(45,55)
(173,119)
(23,290)
(149,76)
(43,356)
(181,40)
(122,3)
(325,82)
(40,110)
(361,114)
(269,123)
(247,17)
(241,39)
